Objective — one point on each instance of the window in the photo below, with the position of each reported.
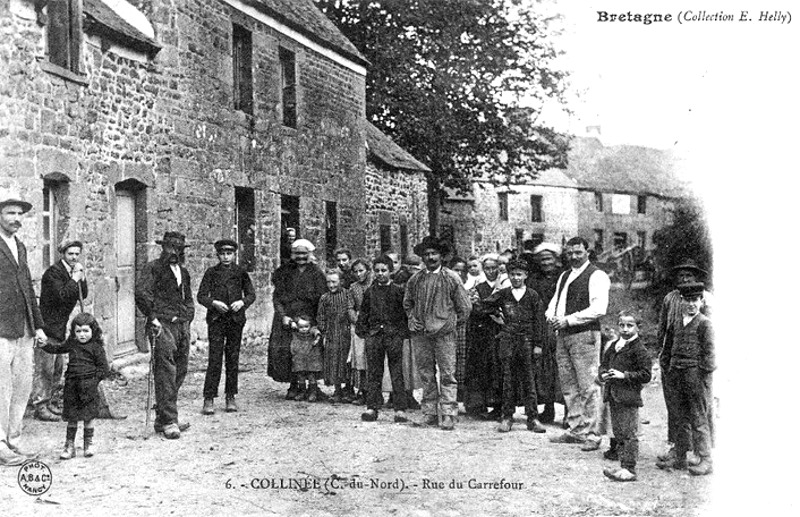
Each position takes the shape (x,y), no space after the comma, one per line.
(598,241)
(385,238)
(621,204)
(49,225)
(598,201)
(242,69)
(246,226)
(331,226)
(519,236)
(65,33)
(536,209)
(620,240)
(641,236)
(403,240)
(641,203)
(502,199)
(288,87)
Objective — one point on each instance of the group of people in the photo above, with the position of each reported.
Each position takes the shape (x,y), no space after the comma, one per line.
(491,332)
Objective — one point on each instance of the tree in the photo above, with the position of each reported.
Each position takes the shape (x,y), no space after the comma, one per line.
(445,82)
(686,237)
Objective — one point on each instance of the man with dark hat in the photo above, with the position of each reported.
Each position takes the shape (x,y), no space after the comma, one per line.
(164,295)
(671,318)
(226,292)
(21,325)
(63,285)
(435,302)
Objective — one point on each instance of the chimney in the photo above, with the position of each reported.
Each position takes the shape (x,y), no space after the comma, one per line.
(593,131)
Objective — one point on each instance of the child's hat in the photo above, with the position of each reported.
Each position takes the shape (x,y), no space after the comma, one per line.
(691,289)
(225,245)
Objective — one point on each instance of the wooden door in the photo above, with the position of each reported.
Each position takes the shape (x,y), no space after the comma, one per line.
(126,273)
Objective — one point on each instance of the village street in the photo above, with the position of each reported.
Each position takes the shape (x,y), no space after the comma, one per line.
(294,458)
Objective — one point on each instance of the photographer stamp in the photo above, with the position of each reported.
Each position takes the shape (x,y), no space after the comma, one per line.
(34,477)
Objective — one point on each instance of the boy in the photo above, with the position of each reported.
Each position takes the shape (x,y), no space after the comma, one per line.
(383,323)
(226,291)
(625,368)
(689,360)
(519,340)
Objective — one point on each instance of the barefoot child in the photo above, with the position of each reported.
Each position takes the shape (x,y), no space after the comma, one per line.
(625,368)
(306,358)
(87,367)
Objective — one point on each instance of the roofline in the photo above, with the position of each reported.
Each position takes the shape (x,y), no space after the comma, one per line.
(628,192)
(374,157)
(300,34)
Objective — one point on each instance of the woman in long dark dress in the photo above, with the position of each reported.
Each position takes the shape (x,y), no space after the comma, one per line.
(299,284)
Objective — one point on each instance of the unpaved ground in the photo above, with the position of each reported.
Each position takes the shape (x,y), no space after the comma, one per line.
(212,468)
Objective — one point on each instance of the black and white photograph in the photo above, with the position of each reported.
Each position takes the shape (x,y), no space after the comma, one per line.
(398,257)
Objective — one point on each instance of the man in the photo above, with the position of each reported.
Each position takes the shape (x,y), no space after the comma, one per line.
(164,296)
(299,284)
(344,258)
(226,291)
(580,300)
(436,302)
(63,285)
(20,322)
(670,319)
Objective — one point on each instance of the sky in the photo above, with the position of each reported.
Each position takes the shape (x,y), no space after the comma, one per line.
(724,98)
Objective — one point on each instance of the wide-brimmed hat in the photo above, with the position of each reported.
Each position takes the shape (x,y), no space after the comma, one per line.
(691,265)
(431,242)
(10,197)
(176,239)
(223,244)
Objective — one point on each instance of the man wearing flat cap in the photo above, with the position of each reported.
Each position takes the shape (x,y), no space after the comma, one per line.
(21,325)
(63,285)
(226,292)
(164,295)
(436,302)
(299,284)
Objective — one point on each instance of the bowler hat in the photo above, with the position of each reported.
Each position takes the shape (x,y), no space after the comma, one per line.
(691,265)
(9,197)
(223,244)
(691,289)
(431,242)
(175,239)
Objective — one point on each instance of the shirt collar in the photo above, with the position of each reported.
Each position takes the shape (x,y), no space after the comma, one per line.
(69,268)
(435,271)
(581,269)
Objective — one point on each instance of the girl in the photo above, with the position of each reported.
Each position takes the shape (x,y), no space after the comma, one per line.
(306,358)
(87,367)
(358,357)
(334,316)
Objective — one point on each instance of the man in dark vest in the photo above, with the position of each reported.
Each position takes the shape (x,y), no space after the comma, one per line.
(580,300)
(63,284)
(20,326)
(164,295)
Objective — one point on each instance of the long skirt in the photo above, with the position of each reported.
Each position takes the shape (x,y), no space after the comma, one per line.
(279,359)
(81,401)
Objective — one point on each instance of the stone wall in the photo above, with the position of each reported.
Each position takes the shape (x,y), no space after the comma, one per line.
(163,128)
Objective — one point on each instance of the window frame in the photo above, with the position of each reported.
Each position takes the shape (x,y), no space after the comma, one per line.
(242,61)
(288,75)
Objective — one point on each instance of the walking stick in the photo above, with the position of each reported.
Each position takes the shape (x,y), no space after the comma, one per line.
(152,340)
(80,296)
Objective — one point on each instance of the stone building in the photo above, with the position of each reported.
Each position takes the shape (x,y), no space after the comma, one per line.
(216,118)
(397,197)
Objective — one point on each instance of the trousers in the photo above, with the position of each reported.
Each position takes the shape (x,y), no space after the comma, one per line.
(16,374)
(391,347)
(432,352)
(224,339)
(578,357)
(170,364)
(516,356)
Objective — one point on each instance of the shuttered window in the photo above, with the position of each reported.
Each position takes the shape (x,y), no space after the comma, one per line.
(64,33)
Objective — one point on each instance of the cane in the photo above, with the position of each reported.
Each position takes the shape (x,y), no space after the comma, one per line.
(152,339)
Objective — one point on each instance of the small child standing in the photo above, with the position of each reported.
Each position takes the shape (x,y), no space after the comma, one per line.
(625,368)
(334,316)
(306,358)
(87,367)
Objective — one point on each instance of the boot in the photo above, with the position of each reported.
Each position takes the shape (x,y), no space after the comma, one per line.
(230,404)
(88,448)
(313,393)
(69,450)
(208,406)
(548,415)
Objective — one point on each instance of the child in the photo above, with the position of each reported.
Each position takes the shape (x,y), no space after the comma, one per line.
(383,323)
(625,368)
(87,367)
(306,358)
(226,292)
(520,337)
(334,316)
(357,355)
(688,357)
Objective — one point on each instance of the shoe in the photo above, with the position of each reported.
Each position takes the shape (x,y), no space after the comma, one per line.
(172,432)
(505,425)
(702,469)
(448,423)
(8,458)
(28,455)
(494,414)
(671,464)
(336,398)
(68,452)
(369,416)
(88,448)
(359,400)
(44,414)
(230,405)
(536,426)
(619,474)
(301,395)
(693,461)
(348,398)
(412,403)
(291,393)
(208,406)
(181,427)
(566,438)
(400,417)
(548,416)
(669,455)
(564,423)
(611,455)
(429,420)
(313,395)
(590,445)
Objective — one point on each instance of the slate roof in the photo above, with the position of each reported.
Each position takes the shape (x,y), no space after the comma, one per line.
(383,149)
(105,21)
(626,169)
(304,17)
